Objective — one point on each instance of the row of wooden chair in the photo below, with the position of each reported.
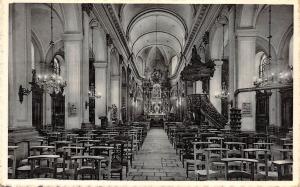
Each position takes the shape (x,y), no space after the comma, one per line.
(202,151)
(86,147)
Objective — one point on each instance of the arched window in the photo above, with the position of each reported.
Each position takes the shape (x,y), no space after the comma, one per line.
(264,66)
(56,66)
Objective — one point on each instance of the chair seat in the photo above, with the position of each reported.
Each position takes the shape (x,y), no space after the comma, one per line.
(214,155)
(24,161)
(238,174)
(24,168)
(270,173)
(116,168)
(191,161)
(218,163)
(204,172)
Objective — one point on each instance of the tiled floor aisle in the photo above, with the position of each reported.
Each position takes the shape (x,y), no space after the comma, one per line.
(157,160)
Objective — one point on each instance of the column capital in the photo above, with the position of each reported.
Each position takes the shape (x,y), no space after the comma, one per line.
(72,36)
(100,64)
(246,32)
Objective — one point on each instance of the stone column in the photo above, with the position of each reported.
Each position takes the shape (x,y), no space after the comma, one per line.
(232,53)
(85,65)
(115,91)
(100,88)
(73,100)
(216,85)
(20,70)
(246,72)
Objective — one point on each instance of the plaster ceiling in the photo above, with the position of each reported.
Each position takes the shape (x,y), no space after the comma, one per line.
(156,31)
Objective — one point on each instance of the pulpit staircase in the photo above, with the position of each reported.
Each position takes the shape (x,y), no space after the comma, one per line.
(201,103)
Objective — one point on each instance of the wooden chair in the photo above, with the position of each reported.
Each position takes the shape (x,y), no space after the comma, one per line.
(117,157)
(87,165)
(239,174)
(43,165)
(200,161)
(25,166)
(67,168)
(284,169)
(235,150)
(12,161)
(106,164)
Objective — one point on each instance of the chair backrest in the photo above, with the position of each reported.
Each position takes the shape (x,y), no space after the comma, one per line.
(235,149)
(43,165)
(117,151)
(215,141)
(87,165)
(199,153)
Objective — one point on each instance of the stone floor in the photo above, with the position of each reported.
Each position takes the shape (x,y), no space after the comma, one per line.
(157,160)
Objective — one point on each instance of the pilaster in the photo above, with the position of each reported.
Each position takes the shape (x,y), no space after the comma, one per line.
(73,100)
(245,70)
(100,87)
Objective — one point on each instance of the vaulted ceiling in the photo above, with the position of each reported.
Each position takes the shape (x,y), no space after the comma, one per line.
(156,33)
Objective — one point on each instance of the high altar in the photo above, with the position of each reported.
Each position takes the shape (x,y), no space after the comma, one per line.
(156,97)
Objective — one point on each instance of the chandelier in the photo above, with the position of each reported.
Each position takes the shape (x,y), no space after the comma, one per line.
(268,74)
(224,93)
(52,83)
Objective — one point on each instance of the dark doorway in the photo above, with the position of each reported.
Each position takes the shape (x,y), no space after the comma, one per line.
(287,109)
(37,108)
(58,110)
(262,110)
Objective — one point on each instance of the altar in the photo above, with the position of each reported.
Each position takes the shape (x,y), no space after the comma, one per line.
(156,98)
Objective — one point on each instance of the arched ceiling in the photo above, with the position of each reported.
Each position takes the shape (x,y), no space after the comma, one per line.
(156,31)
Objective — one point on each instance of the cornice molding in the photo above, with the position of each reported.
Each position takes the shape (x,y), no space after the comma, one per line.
(121,35)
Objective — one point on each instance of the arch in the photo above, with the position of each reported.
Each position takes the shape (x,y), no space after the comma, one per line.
(263,45)
(57,48)
(141,15)
(284,43)
(258,58)
(291,51)
(38,46)
(151,32)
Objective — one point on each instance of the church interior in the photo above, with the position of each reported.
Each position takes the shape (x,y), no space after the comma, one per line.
(150,92)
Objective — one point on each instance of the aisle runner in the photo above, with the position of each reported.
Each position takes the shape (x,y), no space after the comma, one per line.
(157,160)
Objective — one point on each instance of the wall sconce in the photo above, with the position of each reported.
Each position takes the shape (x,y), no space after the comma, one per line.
(25,91)
(22,92)
(93,95)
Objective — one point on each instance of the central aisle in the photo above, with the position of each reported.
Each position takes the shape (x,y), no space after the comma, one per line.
(157,160)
